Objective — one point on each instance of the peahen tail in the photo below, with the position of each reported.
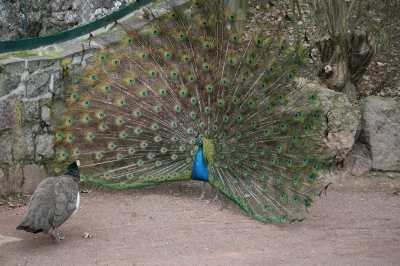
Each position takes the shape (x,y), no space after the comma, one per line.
(190,96)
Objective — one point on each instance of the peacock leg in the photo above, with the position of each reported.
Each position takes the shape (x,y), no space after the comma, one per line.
(203,192)
(216,196)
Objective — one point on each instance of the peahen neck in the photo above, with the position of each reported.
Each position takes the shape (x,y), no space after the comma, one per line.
(73,171)
(200,171)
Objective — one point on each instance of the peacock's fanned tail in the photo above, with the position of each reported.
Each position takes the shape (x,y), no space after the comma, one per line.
(134,116)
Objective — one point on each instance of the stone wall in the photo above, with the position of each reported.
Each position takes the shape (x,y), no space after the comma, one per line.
(32,92)
(50,16)
(32,96)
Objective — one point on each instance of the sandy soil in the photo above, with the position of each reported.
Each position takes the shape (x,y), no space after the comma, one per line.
(357,223)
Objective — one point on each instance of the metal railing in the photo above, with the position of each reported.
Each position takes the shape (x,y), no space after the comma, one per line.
(21,19)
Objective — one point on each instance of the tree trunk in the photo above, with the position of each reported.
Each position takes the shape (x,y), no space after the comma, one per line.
(346,58)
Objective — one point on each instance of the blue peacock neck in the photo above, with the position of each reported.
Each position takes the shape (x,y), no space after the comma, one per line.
(204,158)
(200,171)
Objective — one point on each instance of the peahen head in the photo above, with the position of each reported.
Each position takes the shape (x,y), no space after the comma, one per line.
(73,170)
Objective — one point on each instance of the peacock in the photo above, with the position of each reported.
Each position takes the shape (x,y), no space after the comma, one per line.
(193,96)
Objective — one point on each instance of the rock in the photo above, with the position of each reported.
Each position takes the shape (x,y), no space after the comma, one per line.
(334,137)
(341,125)
(13,65)
(8,83)
(15,178)
(35,63)
(381,131)
(45,114)
(6,149)
(56,84)
(37,84)
(9,112)
(44,146)
(33,175)
(23,143)
(30,111)
(358,160)
(2,183)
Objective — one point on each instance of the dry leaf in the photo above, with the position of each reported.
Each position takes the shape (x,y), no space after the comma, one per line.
(87,235)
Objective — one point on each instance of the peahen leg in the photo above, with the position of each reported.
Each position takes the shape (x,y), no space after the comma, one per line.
(55,235)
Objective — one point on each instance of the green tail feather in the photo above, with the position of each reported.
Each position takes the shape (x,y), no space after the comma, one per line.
(133,117)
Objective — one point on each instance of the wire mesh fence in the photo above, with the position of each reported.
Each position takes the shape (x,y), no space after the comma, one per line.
(20,19)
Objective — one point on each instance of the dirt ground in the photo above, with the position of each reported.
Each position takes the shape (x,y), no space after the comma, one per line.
(357,223)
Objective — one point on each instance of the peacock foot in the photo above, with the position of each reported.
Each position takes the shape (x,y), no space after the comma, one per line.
(216,196)
(201,196)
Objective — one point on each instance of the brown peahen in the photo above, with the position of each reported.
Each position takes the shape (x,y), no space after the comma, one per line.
(190,96)
(53,202)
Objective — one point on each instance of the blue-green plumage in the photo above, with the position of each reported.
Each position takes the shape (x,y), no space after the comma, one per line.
(133,115)
(199,170)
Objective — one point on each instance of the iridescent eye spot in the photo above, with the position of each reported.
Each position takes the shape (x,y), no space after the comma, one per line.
(116,62)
